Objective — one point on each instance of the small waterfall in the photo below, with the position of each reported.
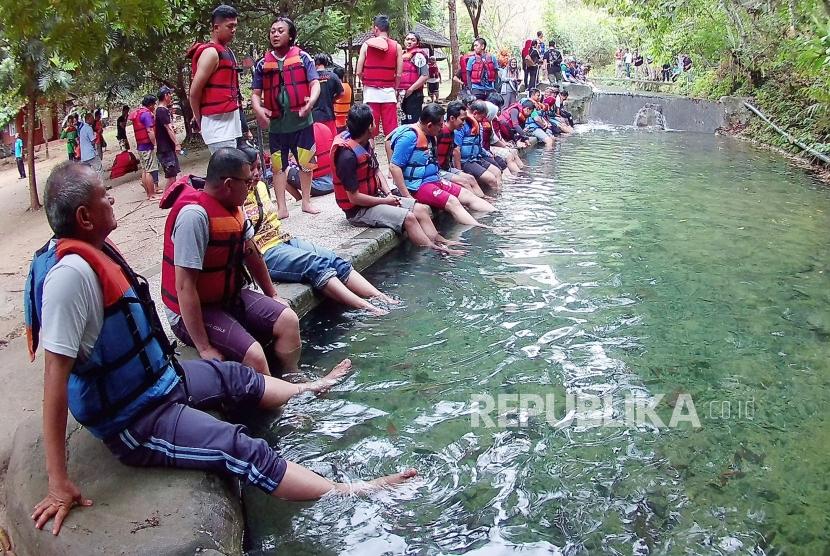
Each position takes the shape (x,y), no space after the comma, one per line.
(650,116)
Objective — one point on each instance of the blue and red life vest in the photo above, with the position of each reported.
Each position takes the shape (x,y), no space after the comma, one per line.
(421,167)
(132,365)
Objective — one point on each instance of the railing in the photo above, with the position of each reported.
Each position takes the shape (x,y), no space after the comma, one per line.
(792,140)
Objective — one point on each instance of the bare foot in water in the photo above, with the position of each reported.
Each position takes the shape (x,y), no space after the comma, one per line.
(389,481)
(376,311)
(310,209)
(447,251)
(386,299)
(321,385)
(449,243)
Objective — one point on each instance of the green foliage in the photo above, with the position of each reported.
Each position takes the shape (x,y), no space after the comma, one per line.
(589,33)
(775,50)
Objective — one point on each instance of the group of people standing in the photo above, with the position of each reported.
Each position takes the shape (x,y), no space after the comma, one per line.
(108,359)
(633,65)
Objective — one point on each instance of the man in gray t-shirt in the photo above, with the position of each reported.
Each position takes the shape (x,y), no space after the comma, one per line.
(239,326)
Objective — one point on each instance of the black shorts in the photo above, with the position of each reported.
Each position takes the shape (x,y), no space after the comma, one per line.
(169,162)
(476,168)
(433,88)
(412,106)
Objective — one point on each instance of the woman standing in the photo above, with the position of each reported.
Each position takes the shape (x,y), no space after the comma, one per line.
(510,80)
(532,61)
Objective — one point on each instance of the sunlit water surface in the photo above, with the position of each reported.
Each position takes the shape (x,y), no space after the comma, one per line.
(633,265)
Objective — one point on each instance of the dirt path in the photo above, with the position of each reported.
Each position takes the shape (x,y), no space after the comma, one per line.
(139,233)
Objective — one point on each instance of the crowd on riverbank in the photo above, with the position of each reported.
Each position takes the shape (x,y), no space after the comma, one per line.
(107,357)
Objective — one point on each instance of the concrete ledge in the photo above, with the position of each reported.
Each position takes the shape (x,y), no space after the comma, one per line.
(136,512)
(145,511)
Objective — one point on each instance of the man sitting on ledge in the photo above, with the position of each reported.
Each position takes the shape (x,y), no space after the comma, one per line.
(110,363)
(361,190)
(207,249)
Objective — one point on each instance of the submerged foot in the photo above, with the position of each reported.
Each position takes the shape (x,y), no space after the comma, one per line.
(376,311)
(337,374)
(386,299)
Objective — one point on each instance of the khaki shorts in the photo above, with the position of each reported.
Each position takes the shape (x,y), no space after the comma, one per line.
(384,216)
(149,162)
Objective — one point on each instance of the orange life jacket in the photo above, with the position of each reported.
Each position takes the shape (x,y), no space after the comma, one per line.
(342,104)
(379,66)
(367,180)
(411,72)
(142,137)
(221,92)
(221,277)
(292,76)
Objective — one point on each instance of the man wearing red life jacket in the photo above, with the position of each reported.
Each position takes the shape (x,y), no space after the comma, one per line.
(379,66)
(208,247)
(109,362)
(214,91)
(482,69)
(144,123)
(285,90)
(460,76)
(360,189)
(415,74)
(447,153)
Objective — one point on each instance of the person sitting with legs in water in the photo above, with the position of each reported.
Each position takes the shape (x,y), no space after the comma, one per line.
(474,159)
(492,140)
(207,249)
(291,259)
(361,190)
(108,361)
(446,151)
(416,173)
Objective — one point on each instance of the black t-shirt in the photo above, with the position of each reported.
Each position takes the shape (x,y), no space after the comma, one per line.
(121,127)
(330,88)
(163,141)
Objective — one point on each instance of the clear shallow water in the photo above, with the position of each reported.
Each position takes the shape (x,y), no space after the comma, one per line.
(634,264)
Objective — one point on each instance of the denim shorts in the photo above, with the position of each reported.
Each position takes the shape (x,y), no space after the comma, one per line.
(298,260)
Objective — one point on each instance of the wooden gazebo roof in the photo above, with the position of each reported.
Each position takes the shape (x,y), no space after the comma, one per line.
(429,37)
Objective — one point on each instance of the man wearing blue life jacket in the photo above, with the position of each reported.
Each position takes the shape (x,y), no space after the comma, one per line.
(417,174)
(108,361)
(475,159)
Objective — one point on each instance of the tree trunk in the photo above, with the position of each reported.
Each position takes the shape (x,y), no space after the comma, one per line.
(34,200)
(474,16)
(187,111)
(455,53)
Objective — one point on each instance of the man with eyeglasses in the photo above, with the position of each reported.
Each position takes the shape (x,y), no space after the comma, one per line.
(209,253)
(214,91)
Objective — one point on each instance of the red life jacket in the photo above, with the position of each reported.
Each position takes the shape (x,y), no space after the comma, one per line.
(434,72)
(292,76)
(480,65)
(444,145)
(323,140)
(462,65)
(505,123)
(486,134)
(221,92)
(411,73)
(367,181)
(379,66)
(140,130)
(220,279)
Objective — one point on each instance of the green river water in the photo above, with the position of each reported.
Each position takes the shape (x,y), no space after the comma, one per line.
(634,264)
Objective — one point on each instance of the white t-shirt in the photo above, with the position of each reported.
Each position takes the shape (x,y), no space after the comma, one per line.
(73,308)
(221,127)
(629,58)
(379,94)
